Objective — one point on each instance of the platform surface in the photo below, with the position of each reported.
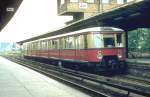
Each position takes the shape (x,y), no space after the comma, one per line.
(139,60)
(19,81)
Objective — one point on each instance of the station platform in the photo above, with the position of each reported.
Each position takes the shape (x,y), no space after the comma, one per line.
(139,60)
(19,81)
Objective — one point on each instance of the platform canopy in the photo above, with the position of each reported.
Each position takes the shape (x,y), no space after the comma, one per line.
(129,16)
(7,10)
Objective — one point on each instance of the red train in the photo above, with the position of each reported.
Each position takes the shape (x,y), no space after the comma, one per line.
(96,49)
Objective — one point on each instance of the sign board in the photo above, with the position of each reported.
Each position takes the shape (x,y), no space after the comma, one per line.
(83,5)
(10,9)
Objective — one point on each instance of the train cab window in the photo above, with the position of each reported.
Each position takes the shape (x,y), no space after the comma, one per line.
(109,40)
(119,40)
(94,40)
(98,41)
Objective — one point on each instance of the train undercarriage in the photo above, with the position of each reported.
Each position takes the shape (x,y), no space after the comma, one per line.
(110,65)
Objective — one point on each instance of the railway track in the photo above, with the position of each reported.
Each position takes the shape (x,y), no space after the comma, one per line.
(118,86)
(139,70)
(136,80)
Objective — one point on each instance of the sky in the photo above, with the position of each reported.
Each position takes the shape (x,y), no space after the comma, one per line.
(33,18)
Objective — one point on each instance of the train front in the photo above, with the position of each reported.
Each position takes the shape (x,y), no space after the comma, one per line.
(108,51)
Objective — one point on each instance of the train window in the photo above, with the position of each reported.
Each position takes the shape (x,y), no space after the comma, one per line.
(55,44)
(61,43)
(98,41)
(90,40)
(120,1)
(95,40)
(49,44)
(29,46)
(109,42)
(32,45)
(69,43)
(90,1)
(80,43)
(65,43)
(62,2)
(105,1)
(25,48)
(74,0)
(76,43)
(43,45)
(38,47)
(119,40)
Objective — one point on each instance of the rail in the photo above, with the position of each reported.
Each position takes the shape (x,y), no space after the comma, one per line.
(139,52)
(82,75)
(101,80)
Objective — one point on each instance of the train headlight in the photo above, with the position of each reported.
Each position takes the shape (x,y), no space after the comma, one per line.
(119,54)
(99,55)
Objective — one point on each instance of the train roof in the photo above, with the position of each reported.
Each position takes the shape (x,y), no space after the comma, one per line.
(92,29)
(104,29)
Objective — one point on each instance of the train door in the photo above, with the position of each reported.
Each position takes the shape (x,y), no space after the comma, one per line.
(49,47)
(80,47)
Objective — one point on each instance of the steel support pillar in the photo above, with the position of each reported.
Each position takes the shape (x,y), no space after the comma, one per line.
(126,43)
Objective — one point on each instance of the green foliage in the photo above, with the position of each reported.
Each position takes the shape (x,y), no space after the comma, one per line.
(139,38)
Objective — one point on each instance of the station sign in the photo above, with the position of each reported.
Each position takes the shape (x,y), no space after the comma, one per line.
(83,5)
(10,9)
